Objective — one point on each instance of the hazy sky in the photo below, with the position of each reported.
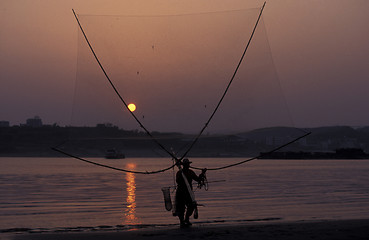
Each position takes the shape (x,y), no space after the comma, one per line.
(319,49)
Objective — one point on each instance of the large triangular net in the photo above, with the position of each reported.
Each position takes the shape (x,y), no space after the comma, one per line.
(175,70)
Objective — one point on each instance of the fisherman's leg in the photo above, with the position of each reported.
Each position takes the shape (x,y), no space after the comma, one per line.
(181,218)
(180,207)
(190,208)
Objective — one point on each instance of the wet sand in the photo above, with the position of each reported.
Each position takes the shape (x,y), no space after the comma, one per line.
(340,229)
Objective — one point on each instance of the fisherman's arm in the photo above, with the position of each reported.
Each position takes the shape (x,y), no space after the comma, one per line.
(200,177)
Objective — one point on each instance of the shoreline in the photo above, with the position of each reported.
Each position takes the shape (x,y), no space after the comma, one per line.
(318,229)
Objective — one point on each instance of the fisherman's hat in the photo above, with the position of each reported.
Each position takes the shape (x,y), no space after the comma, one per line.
(186,161)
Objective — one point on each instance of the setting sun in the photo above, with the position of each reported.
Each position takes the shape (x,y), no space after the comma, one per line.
(131,107)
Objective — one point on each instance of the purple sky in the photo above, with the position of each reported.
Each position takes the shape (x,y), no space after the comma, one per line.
(319,50)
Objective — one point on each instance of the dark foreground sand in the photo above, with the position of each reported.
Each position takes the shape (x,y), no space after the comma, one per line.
(342,229)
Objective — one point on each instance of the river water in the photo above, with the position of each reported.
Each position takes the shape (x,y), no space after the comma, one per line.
(54,193)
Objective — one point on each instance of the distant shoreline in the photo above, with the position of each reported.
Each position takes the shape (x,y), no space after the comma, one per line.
(342,153)
(25,141)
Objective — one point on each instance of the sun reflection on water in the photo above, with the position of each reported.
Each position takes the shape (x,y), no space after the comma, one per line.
(130,216)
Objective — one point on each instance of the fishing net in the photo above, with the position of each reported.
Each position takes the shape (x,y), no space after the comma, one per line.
(174,69)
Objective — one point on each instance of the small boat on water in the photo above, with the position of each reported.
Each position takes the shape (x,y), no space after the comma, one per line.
(114,154)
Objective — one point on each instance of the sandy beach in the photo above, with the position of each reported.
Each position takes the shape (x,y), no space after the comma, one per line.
(323,229)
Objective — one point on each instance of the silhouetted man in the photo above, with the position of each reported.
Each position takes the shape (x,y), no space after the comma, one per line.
(184,191)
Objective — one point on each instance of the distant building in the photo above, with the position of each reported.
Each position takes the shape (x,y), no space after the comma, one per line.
(34,122)
(4,124)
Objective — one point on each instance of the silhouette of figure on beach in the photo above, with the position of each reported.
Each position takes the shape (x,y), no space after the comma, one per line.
(184,196)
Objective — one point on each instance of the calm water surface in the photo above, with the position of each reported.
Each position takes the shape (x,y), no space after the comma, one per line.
(63,192)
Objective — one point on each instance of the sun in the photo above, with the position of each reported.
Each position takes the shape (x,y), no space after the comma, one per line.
(132,107)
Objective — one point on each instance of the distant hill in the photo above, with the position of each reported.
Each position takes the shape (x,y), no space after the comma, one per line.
(262,133)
